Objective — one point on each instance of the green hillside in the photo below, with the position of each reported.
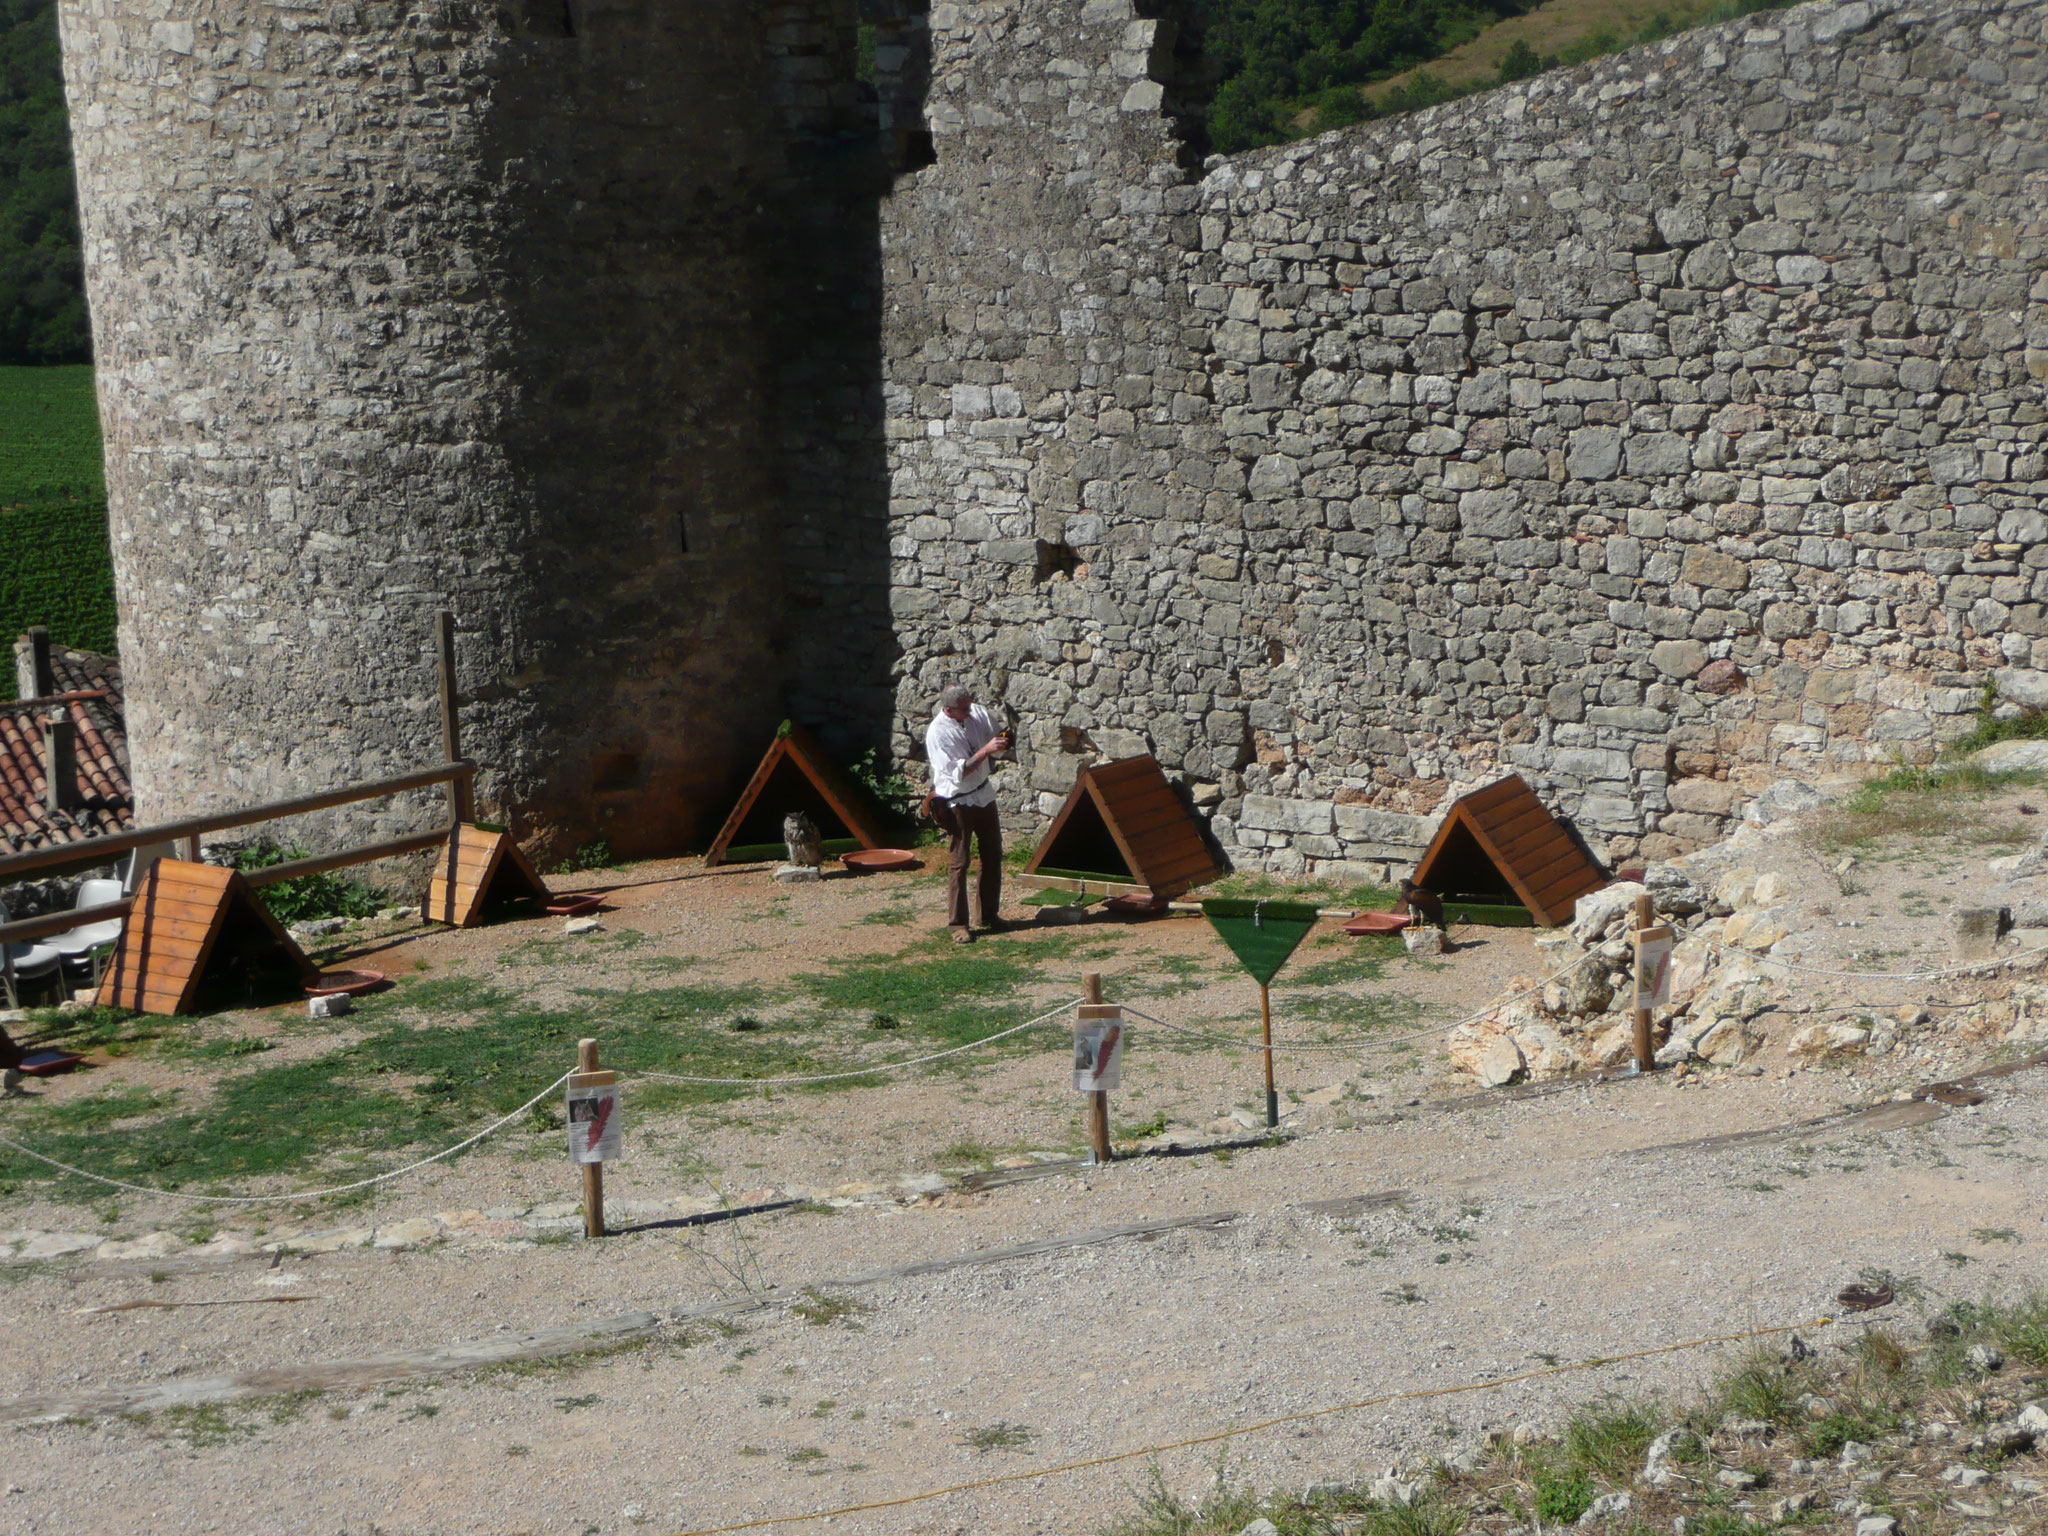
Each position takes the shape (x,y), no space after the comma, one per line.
(55,565)
(1291,69)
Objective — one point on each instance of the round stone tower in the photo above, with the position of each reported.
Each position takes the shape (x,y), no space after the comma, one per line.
(409,304)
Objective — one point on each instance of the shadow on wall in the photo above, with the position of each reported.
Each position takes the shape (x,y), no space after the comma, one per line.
(827,271)
(691,281)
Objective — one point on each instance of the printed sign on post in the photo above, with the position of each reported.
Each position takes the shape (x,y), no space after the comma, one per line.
(1653,967)
(595,1134)
(1098,1047)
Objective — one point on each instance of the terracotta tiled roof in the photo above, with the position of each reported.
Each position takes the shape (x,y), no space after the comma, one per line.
(104,801)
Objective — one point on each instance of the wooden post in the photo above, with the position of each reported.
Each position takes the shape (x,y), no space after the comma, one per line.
(192,850)
(1266,1025)
(593,1173)
(461,795)
(1646,1051)
(1098,1101)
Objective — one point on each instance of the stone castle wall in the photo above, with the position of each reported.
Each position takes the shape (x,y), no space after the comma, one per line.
(1656,428)
(407,305)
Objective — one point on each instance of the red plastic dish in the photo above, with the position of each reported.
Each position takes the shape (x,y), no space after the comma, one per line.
(48,1063)
(1378,922)
(335,983)
(574,905)
(873,860)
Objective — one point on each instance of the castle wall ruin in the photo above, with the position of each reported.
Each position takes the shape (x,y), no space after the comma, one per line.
(1656,428)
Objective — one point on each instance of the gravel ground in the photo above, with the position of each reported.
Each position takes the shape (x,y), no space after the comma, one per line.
(1579,1222)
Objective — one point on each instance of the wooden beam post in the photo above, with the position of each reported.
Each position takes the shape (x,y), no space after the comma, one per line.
(1646,1050)
(461,792)
(1266,1026)
(593,1173)
(1098,1101)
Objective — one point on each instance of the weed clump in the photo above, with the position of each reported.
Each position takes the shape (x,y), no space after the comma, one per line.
(309,897)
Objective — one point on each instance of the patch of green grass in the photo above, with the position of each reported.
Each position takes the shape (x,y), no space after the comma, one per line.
(206,1426)
(944,992)
(804,1456)
(1142,1130)
(968,1153)
(114,1031)
(219,1048)
(821,1309)
(571,1404)
(1758,1386)
(1920,803)
(1000,1436)
(1562,1493)
(1725,1522)
(409,1082)
(1362,960)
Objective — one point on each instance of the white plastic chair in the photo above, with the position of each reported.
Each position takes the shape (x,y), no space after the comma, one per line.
(139,861)
(79,946)
(25,962)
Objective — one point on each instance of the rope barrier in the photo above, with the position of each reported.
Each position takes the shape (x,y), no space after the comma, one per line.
(304,1194)
(1210,1438)
(886,1066)
(501,1123)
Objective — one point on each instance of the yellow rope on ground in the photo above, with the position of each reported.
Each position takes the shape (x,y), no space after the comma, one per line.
(1249,1429)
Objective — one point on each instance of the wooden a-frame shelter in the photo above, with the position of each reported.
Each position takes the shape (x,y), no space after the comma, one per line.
(1123,832)
(1499,847)
(796,775)
(195,929)
(477,874)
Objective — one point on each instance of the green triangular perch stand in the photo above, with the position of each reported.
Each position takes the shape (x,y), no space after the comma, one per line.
(1262,934)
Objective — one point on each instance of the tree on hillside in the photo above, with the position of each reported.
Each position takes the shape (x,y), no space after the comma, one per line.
(1277,56)
(42,279)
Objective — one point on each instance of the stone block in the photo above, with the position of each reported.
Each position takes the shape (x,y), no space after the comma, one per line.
(1659,453)
(1592,763)
(1701,797)
(1388,829)
(1707,567)
(1692,827)
(1595,453)
(1678,658)
(1269,813)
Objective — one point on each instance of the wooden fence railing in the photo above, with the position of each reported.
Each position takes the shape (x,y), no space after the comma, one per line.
(460,774)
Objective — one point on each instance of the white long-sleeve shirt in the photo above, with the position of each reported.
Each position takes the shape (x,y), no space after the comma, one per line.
(948,743)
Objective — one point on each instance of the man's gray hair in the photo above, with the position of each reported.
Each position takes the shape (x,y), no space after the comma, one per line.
(953,695)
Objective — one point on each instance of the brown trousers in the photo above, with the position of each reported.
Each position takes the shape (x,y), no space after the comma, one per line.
(984,826)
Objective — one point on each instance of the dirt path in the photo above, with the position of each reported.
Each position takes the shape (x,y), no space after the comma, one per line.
(868,1343)
(1529,1229)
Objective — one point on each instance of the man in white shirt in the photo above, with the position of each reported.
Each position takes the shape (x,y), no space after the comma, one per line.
(959,743)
